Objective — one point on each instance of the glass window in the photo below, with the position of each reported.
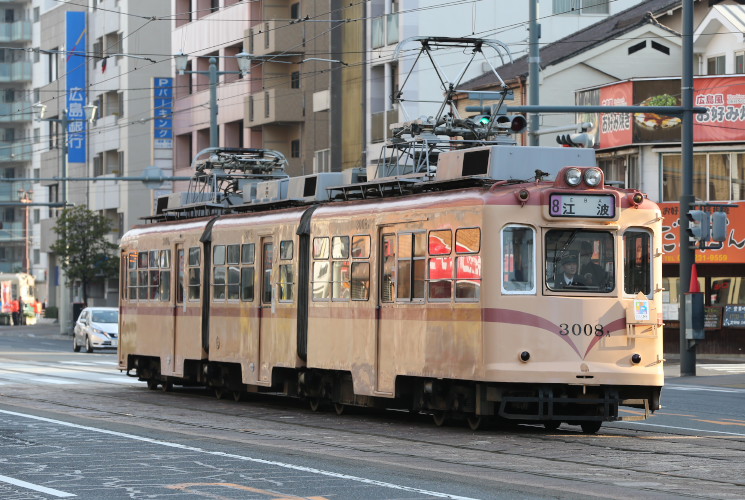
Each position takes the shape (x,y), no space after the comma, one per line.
(154,284)
(194,283)
(154,258)
(132,285)
(266,283)
(285,250)
(518,260)
(133,260)
(165,259)
(234,282)
(719,177)
(580,261)
(411,266)
(637,261)
(340,280)
(468,277)
(194,254)
(165,286)
(180,282)
(441,278)
(468,240)
(142,260)
(388,280)
(321,281)
(142,281)
(218,283)
(286,282)
(361,247)
(234,253)
(440,242)
(360,280)
(247,253)
(340,247)
(247,284)
(218,255)
(321,248)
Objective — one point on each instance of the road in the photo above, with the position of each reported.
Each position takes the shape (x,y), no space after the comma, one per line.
(72,426)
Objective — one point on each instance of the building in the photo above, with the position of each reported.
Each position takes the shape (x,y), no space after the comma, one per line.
(103,55)
(16,97)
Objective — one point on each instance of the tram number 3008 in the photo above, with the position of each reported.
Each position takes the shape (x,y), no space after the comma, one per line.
(580,329)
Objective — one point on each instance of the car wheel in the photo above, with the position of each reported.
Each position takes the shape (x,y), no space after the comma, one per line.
(75,346)
(88,346)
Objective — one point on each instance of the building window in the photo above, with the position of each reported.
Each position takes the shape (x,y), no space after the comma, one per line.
(295,10)
(715,66)
(739,62)
(322,161)
(716,176)
(581,7)
(295,148)
(295,80)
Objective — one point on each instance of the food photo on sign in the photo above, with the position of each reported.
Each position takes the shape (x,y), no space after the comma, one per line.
(654,127)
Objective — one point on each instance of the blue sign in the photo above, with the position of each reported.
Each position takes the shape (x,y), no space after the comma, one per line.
(163,113)
(76,85)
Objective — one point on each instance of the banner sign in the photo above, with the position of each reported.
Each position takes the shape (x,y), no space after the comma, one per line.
(76,86)
(163,113)
(723,96)
(733,251)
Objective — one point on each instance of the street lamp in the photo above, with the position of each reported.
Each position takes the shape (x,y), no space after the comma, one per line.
(64,121)
(244,63)
(24,197)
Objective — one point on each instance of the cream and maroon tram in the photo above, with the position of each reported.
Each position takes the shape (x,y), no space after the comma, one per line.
(509,281)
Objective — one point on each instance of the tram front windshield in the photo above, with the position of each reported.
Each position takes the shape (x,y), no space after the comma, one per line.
(580,261)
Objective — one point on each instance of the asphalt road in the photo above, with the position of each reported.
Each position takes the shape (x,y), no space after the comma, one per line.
(72,426)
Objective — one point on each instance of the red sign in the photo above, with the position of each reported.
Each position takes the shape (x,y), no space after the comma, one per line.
(615,128)
(725,99)
(733,251)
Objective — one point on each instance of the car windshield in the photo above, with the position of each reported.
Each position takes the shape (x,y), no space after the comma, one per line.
(105,317)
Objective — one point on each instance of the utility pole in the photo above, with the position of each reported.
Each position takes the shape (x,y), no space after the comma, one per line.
(534,66)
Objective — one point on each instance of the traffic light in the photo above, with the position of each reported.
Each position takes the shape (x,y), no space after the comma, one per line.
(480,120)
(581,140)
(514,123)
(718,226)
(700,226)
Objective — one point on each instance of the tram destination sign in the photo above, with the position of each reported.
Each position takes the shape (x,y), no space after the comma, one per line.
(601,206)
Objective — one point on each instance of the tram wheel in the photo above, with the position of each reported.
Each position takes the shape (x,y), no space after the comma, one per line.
(152,384)
(219,392)
(339,408)
(439,417)
(314,403)
(237,395)
(474,421)
(166,387)
(551,425)
(591,426)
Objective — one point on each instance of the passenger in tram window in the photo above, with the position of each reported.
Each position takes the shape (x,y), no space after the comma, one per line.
(592,273)
(568,277)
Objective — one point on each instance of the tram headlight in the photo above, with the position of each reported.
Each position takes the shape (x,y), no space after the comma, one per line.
(593,176)
(574,176)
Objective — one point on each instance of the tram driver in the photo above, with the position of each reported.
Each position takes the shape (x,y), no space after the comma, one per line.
(568,278)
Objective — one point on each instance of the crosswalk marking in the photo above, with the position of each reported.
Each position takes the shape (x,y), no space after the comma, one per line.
(725,368)
(63,373)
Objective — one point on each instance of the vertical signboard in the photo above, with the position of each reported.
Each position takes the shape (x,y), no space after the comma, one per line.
(76,63)
(615,128)
(163,113)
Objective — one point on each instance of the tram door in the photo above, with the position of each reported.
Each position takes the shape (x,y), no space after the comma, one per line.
(386,310)
(179,272)
(267,309)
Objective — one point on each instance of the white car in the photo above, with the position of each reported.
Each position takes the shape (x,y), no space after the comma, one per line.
(96,328)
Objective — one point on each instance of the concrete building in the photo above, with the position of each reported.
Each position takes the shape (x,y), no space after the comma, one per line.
(118,53)
(16,97)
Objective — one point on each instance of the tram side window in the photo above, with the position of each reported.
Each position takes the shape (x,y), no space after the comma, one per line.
(321,270)
(360,280)
(165,276)
(412,255)
(467,267)
(518,260)
(132,276)
(180,273)
(637,261)
(340,268)
(154,275)
(233,253)
(580,261)
(440,265)
(194,279)
(247,272)
(266,281)
(388,279)
(286,272)
(142,275)
(219,273)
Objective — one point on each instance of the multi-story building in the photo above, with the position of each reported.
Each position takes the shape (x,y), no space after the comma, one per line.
(16,94)
(122,50)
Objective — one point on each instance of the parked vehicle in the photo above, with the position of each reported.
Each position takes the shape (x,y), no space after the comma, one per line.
(96,328)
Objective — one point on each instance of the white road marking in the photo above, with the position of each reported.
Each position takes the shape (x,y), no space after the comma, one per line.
(244,458)
(703,388)
(726,368)
(680,428)
(36,487)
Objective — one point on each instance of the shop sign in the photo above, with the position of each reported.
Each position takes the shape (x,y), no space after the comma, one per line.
(732,252)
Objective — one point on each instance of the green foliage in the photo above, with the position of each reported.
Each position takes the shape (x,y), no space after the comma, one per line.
(82,249)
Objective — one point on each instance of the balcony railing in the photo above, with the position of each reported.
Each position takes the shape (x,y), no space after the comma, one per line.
(19,71)
(19,31)
(18,111)
(15,151)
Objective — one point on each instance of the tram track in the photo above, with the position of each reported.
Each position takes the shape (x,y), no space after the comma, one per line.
(477,456)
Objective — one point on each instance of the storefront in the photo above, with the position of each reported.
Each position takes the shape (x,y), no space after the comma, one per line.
(642,151)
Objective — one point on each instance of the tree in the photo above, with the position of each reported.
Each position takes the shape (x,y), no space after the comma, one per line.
(82,249)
